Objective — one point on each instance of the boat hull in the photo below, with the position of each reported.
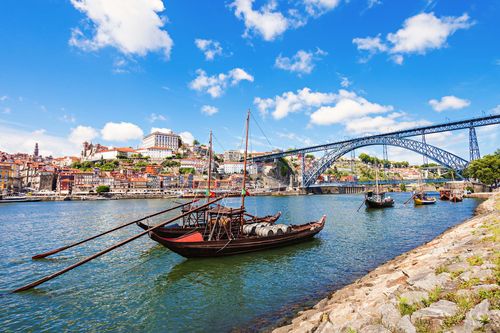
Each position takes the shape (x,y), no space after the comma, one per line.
(379,204)
(419,202)
(204,249)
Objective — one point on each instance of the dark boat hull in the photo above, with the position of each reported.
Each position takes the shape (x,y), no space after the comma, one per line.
(378,204)
(177,231)
(204,249)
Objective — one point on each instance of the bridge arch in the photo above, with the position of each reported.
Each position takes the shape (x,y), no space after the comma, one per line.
(439,155)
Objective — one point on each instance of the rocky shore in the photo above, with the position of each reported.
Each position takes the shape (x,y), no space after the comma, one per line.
(451,284)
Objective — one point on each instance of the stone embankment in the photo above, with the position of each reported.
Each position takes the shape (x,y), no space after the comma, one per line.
(451,284)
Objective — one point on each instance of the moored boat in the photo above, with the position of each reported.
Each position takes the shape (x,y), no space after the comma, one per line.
(12,199)
(456,196)
(444,195)
(378,200)
(197,245)
(423,199)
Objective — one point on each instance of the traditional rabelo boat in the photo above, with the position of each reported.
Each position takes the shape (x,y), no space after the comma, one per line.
(225,230)
(456,196)
(445,195)
(198,219)
(377,199)
(421,198)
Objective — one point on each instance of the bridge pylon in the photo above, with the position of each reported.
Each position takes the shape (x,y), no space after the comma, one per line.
(473,145)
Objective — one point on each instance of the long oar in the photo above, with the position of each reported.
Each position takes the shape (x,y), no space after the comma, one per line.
(46,254)
(128,240)
(409,199)
(360,206)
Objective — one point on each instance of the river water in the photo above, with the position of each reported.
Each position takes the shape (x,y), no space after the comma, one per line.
(143,286)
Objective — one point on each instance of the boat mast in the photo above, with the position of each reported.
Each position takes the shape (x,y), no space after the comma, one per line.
(376,179)
(209,164)
(243,185)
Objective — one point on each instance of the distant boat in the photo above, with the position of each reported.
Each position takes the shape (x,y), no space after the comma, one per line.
(12,199)
(445,195)
(456,196)
(422,199)
(377,199)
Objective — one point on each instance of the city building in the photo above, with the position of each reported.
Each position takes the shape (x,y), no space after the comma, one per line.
(233,156)
(156,154)
(161,139)
(5,177)
(196,164)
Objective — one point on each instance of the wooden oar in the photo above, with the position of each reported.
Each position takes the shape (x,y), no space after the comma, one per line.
(128,240)
(360,206)
(409,199)
(46,254)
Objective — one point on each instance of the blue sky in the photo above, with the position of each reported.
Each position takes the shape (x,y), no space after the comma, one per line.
(312,71)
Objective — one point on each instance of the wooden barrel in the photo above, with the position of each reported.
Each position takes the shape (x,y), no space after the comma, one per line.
(277,230)
(249,229)
(285,228)
(264,231)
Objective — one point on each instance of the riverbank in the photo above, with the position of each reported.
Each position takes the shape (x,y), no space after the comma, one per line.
(450,284)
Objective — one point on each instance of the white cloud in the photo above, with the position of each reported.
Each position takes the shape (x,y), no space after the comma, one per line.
(371,44)
(187,137)
(7,111)
(290,102)
(132,26)
(373,3)
(209,110)
(347,106)
(80,134)
(156,117)
(13,140)
(495,110)
(382,124)
(344,81)
(270,23)
(448,103)
(4,98)
(319,7)
(302,62)
(266,22)
(210,48)
(122,131)
(419,34)
(305,141)
(216,85)
(68,118)
(162,130)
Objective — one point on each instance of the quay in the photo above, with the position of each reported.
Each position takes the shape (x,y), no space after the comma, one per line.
(450,284)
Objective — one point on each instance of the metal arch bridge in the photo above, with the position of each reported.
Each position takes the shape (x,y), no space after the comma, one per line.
(335,150)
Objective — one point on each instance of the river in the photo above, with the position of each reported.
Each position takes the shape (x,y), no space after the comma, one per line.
(142,286)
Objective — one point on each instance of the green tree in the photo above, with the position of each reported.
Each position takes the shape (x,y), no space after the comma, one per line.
(185,171)
(102,189)
(402,187)
(486,169)
(196,142)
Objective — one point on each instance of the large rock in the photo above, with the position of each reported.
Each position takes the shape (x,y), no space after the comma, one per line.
(486,287)
(325,327)
(390,316)
(412,297)
(405,326)
(438,310)
(494,324)
(304,327)
(473,317)
(458,267)
(429,281)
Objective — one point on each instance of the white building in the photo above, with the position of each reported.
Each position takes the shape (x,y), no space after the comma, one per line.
(111,154)
(163,140)
(198,165)
(237,167)
(233,156)
(156,154)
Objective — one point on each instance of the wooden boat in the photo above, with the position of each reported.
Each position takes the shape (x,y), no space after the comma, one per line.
(12,199)
(197,245)
(445,195)
(378,200)
(176,230)
(422,199)
(456,196)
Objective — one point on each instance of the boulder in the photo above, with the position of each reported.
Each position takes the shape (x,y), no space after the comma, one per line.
(325,327)
(487,287)
(390,316)
(494,324)
(430,281)
(473,317)
(438,310)
(458,267)
(405,326)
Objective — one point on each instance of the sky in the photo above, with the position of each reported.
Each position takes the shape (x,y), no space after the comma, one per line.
(310,71)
